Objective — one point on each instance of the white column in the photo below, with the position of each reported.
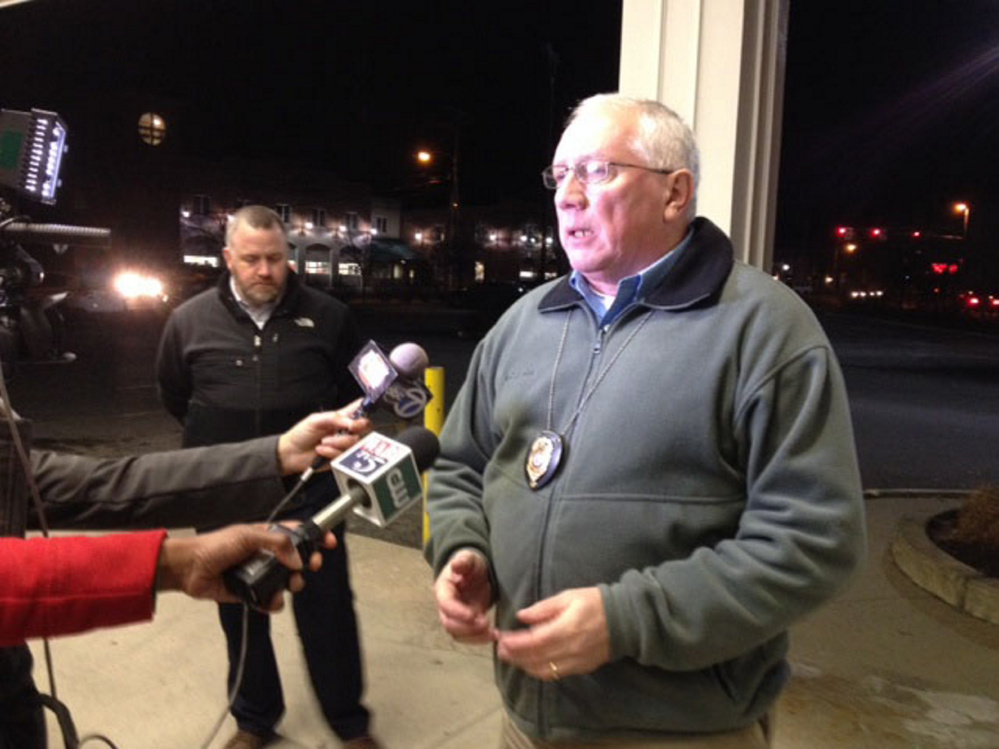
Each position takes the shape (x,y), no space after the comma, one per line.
(720,65)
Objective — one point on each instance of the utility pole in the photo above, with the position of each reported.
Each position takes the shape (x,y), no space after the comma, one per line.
(455,259)
(546,214)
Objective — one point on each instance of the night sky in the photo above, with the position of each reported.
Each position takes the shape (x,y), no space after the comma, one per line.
(352,86)
(890,106)
(891,116)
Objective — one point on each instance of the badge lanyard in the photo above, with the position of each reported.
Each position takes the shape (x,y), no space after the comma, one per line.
(547,449)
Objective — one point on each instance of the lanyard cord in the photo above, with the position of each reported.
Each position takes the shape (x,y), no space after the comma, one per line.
(600,376)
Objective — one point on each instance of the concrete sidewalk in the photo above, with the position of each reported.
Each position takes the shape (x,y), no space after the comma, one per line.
(886,666)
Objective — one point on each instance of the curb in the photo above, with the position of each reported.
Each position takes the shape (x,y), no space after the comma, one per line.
(937,572)
(905,493)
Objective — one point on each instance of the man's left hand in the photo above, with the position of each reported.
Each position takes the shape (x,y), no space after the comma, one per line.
(566,634)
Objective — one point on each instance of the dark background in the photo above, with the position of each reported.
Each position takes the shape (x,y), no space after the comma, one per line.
(890,106)
(891,116)
(353,86)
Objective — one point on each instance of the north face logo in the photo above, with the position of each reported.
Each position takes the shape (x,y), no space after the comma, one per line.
(305,322)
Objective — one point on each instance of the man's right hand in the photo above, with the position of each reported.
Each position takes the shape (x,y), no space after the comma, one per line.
(464,596)
(325,434)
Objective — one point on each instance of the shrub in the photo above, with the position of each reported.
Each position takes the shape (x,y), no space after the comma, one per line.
(971,533)
(978,520)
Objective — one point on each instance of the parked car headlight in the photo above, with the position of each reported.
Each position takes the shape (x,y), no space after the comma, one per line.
(133,285)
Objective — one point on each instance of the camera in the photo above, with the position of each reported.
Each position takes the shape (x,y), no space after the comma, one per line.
(32,145)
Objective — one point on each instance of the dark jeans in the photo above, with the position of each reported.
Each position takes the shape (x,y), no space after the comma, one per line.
(324,613)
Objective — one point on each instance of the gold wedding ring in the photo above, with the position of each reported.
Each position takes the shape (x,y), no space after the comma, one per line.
(554,669)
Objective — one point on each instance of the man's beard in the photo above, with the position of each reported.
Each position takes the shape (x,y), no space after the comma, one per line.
(260,294)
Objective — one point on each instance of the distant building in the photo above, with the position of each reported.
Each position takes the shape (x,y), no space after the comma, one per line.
(506,243)
(340,237)
(889,265)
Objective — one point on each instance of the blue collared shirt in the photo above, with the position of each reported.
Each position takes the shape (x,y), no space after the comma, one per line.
(629,290)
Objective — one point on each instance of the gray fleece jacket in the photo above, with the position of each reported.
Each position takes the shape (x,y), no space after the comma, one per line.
(709,488)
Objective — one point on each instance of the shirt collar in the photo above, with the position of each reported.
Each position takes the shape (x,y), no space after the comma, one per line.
(631,289)
(261,313)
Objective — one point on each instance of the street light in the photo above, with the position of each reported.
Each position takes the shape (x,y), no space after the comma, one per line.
(450,241)
(965,210)
(839,250)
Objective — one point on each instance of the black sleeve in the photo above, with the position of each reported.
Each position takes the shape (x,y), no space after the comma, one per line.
(347,345)
(172,374)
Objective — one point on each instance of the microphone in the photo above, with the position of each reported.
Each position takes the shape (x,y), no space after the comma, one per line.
(379,477)
(390,380)
(393,380)
(89,236)
(380,468)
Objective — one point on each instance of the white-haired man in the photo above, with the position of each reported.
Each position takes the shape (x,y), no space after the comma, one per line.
(650,469)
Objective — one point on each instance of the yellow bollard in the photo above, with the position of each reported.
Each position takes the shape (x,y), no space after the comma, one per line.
(433,419)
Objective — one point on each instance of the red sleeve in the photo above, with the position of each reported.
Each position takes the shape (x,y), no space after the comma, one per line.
(57,586)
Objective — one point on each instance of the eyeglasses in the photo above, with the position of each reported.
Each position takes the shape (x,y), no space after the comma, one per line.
(589,172)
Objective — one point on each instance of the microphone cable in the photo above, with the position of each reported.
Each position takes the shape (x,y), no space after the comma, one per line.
(50,701)
(245,622)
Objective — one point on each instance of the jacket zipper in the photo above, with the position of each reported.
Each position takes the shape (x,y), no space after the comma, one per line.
(542,721)
(258,361)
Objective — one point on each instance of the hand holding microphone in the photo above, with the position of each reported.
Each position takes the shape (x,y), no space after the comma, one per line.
(379,478)
(373,475)
(196,565)
(392,381)
(325,434)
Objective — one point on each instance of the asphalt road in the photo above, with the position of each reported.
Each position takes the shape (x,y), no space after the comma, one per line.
(105,403)
(925,402)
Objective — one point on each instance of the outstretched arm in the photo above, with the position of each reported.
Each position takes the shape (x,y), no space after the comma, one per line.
(197,487)
(58,586)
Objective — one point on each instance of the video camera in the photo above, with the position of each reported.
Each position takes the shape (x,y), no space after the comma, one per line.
(32,145)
